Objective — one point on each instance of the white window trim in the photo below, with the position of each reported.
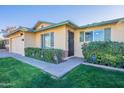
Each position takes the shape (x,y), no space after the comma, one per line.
(93,34)
(50,40)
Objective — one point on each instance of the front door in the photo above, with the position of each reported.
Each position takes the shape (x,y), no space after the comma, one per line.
(70,43)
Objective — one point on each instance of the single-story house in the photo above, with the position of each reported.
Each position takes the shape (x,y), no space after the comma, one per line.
(65,35)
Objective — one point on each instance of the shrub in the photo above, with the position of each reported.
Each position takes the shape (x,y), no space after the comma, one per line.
(49,55)
(105,53)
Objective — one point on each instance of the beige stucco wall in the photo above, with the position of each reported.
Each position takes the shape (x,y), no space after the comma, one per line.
(29,39)
(60,36)
(117,34)
(77,44)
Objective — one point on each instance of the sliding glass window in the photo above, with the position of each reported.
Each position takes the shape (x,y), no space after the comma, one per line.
(47,40)
(98,35)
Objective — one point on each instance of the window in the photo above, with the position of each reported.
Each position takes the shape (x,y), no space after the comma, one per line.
(48,40)
(98,35)
(81,36)
(107,32)
(89,36)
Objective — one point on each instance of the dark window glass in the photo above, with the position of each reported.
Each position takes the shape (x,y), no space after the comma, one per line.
(107,36)
(81,36)
(89,36)
(52,39)
(47,40)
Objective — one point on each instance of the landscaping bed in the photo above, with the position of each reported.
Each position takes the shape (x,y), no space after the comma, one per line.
(14,73)
(104,53)
(48,55)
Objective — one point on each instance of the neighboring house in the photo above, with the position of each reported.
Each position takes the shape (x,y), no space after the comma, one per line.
(65,35)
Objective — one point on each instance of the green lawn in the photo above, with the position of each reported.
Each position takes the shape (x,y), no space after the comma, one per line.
(14,73)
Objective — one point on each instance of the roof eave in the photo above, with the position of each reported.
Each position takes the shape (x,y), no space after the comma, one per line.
(17,30)
(86,26)
(102,23)
(56,25)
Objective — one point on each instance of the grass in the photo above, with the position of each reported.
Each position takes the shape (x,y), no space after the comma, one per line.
(87,76)
(14,73)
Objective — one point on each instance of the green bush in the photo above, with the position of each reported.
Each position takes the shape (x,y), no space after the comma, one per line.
(2,45)
(49,55)
(105,53)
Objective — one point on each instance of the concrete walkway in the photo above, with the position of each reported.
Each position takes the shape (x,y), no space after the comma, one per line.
(57,70)
(104,67)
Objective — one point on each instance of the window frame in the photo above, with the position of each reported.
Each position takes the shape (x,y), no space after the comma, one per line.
(43,44)
(110,33)
(94,34)
(80,39)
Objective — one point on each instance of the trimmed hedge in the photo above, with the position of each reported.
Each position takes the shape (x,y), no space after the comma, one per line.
(2,44)
(48,55)
(105,53)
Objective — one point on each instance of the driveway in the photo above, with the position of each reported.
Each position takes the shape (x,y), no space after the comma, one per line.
(57,70)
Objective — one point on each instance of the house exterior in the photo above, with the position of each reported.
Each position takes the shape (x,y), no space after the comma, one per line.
(65,35)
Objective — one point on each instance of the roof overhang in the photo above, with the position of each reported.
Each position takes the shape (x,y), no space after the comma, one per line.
(58,24)
(24,29)
(39,22)
(103,23)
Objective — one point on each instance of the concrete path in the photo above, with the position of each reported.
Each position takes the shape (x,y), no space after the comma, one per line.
(57,70)
(104,67)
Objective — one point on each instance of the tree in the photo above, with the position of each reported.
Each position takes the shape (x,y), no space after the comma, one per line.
(7,30)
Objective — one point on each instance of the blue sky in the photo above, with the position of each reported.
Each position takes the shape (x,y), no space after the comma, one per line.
(81,15)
